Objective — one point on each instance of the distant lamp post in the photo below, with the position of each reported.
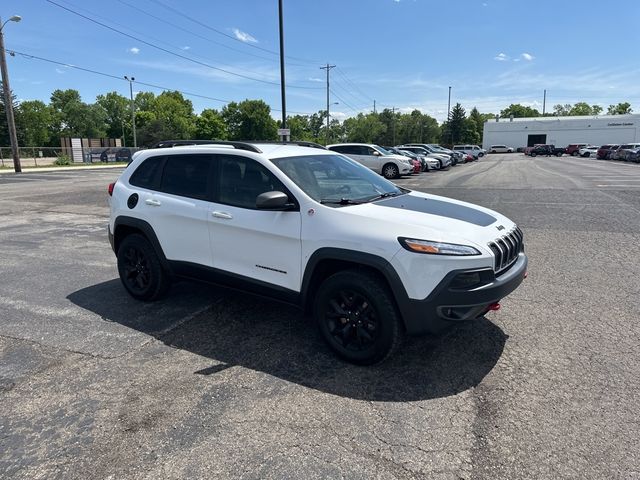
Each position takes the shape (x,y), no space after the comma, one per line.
(133,110)
(8,104)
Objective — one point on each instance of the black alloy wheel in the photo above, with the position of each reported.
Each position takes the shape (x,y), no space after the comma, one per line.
(140,270)
(357,317)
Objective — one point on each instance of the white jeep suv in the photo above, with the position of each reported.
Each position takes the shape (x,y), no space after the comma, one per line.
(376,158)
(370,260)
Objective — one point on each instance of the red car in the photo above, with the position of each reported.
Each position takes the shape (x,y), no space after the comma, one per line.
(604,151)
(573,148)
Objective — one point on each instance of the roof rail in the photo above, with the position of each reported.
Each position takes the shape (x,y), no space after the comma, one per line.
(181,143)
(300,144)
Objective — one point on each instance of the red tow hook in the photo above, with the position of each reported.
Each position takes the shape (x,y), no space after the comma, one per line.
(494,307)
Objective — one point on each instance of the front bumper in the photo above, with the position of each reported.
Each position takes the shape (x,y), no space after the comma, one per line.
(447,304)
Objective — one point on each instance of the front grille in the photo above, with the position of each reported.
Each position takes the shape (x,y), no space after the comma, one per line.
(506,249)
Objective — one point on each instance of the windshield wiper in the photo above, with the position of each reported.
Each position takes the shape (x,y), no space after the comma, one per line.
(384,195)
(342,201)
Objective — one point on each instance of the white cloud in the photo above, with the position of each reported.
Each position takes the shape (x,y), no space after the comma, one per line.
(186,47)
(485,4)
(527,56)
(60,71)
(134,50)
(243,36)
(501,57)
(315,79)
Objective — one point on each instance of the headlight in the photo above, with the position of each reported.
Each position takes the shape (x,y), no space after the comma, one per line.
(436,248)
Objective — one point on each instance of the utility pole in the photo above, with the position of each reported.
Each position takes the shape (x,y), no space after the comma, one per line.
(8,104)
(133,110)
(393,125)
(544,102)
(374,106)
(449,119)
(327,68)
(282,84)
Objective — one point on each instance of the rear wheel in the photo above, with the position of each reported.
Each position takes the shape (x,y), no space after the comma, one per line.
(390,171)
(140,270)
(574,153)
(533,154)
(357,317)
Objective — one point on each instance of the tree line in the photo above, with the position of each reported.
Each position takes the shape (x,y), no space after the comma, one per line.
(171,116)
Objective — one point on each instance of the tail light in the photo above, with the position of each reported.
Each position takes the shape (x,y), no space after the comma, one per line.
(110,188)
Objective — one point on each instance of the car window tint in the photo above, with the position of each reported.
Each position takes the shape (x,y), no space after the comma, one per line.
(187,175)
(243,179)
(147,175)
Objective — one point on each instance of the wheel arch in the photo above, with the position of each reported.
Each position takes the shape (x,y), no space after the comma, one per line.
(125,225)
(326,261)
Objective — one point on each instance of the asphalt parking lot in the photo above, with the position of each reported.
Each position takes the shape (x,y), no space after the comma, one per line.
(211,383)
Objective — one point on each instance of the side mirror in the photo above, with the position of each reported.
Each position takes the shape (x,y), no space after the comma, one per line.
(273,201)
(376,153)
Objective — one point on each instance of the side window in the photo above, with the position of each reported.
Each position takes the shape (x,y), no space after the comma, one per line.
(187,175)
(350,149)
(339,149)
(243,179)
(147,175)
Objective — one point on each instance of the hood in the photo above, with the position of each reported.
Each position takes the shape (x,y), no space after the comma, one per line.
(431,217)
(401,158)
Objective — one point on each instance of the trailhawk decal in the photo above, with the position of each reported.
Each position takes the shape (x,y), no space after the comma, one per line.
(440,208)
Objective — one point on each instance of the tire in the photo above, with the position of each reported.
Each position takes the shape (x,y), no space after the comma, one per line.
(480,155)
(357,317)
(140,270)
(559,154)
(574,153)
(493,151)
(390,171)
(533,154)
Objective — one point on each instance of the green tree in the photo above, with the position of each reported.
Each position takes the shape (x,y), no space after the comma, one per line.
(210,125)
(176,113)
(4,128)
(250,120)
(117,110)
(580,108)
(34,120)
(74,118)
(622,108)
(454,130)
(478,123)
(519,111)
(365,128)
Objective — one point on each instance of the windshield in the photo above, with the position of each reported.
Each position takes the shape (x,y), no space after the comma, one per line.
(382,150)
(336,180)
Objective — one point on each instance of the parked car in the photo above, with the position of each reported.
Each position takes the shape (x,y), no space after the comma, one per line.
(548,150)
(430,163)
(634,155)
(588,151)
(500,149)
(474,150)
(422,162)
(573,148)
(621,152)
(447,158)
(604,151)
(376,158)
(444,161)
(521,149)
(307,226)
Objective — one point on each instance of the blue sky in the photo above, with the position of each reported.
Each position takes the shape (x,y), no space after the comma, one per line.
(402,53)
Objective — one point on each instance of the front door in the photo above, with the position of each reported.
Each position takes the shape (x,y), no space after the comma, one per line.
(256,244)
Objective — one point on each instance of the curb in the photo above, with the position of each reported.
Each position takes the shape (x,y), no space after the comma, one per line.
(63,169)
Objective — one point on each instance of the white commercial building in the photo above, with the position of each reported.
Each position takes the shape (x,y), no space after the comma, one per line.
(562,131)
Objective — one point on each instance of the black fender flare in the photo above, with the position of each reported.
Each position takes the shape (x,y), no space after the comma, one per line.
(357,258)
(146,229)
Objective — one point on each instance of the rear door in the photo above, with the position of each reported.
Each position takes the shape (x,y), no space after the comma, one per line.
(177,206)
(258,245)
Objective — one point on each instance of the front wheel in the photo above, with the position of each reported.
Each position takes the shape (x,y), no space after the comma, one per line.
(559,154)
(357,317)
(140,269)
(533,154)
(390,171)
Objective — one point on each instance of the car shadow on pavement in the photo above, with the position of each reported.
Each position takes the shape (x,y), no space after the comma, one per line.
(233,328)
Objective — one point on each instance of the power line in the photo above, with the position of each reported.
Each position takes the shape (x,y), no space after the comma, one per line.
(348,80)
(184,57)
(209,27)
(202,37)
(343,101)
(120,78)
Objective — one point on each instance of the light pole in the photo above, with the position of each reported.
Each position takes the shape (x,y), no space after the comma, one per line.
(282,84)
(133,109)
(328,69)
(328,116)
(8,104)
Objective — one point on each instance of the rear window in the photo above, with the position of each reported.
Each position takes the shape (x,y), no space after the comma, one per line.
(147,175)
(187,175)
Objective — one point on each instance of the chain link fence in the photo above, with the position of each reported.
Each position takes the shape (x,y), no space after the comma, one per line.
(47,156)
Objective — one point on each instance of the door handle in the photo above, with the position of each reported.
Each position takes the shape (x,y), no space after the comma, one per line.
(225,215)
(153,202)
